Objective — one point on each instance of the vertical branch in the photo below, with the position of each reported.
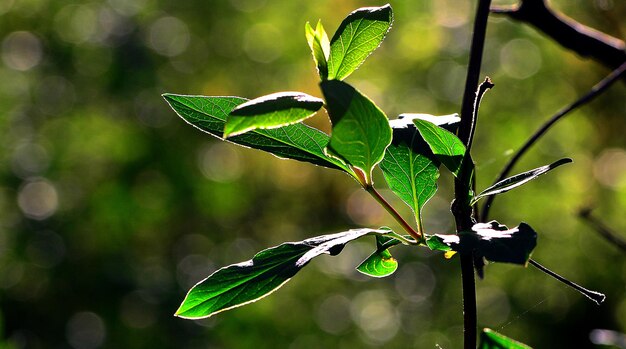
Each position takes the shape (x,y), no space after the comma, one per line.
(460,207)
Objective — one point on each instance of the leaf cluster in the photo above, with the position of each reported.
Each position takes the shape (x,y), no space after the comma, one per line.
(409,151)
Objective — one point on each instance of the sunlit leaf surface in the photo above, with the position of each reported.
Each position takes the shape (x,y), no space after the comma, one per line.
(356,38)
(243,283)
(271,111)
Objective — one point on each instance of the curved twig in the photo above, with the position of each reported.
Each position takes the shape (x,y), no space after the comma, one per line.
(588,97)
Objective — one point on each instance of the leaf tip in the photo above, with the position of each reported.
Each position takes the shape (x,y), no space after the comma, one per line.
(168,96)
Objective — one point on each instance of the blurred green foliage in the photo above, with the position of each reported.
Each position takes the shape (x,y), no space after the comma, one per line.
(111,208)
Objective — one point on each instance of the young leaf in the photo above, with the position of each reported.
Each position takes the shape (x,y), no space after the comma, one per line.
(298,141)
(246,282)
(519,179)
(320,47)
(409,167)
(446,146)
(491,240)
(271,111)
(356,38)
(361,131)
(380,263)
(490,339)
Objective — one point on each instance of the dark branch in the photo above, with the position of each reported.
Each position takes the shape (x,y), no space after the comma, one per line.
(602,229)
(572,35)
(588,97)
(460,206)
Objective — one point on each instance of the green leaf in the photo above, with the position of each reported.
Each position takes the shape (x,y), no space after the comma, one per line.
(243,283)
(320,47)
(298,141)
(519,179)
(441,242)
(380,263)
(493,241)
(490,339)
(356,38)
(361,131)
(446,146)
(271,111)
(409,167)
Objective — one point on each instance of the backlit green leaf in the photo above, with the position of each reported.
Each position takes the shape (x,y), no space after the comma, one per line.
(491,240)
(409,167)
(446,146)
(519,179)
(320,47)
(271,111)
(360,132)
(380,263)
(246,282)
(298,141)
(490,339)
(356,38)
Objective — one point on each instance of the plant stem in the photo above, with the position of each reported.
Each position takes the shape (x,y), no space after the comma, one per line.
(593,295)
(460,207)
(588,97)
(469,301)
(418,236)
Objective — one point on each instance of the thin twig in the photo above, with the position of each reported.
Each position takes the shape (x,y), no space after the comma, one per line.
(593,295)
(585,41)
(588,97)
(485,86)
(602,229)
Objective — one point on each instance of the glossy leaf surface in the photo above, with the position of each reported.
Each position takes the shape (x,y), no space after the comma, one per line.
(380,263)
(491,240)
(320,47)
(356,38)
(446,146)
(360,132)
(409,166)
(519,179)
(490,339)
(246,282)
(271,111)
(298,141)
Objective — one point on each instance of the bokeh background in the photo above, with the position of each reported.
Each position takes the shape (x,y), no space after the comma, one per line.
(111,207)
